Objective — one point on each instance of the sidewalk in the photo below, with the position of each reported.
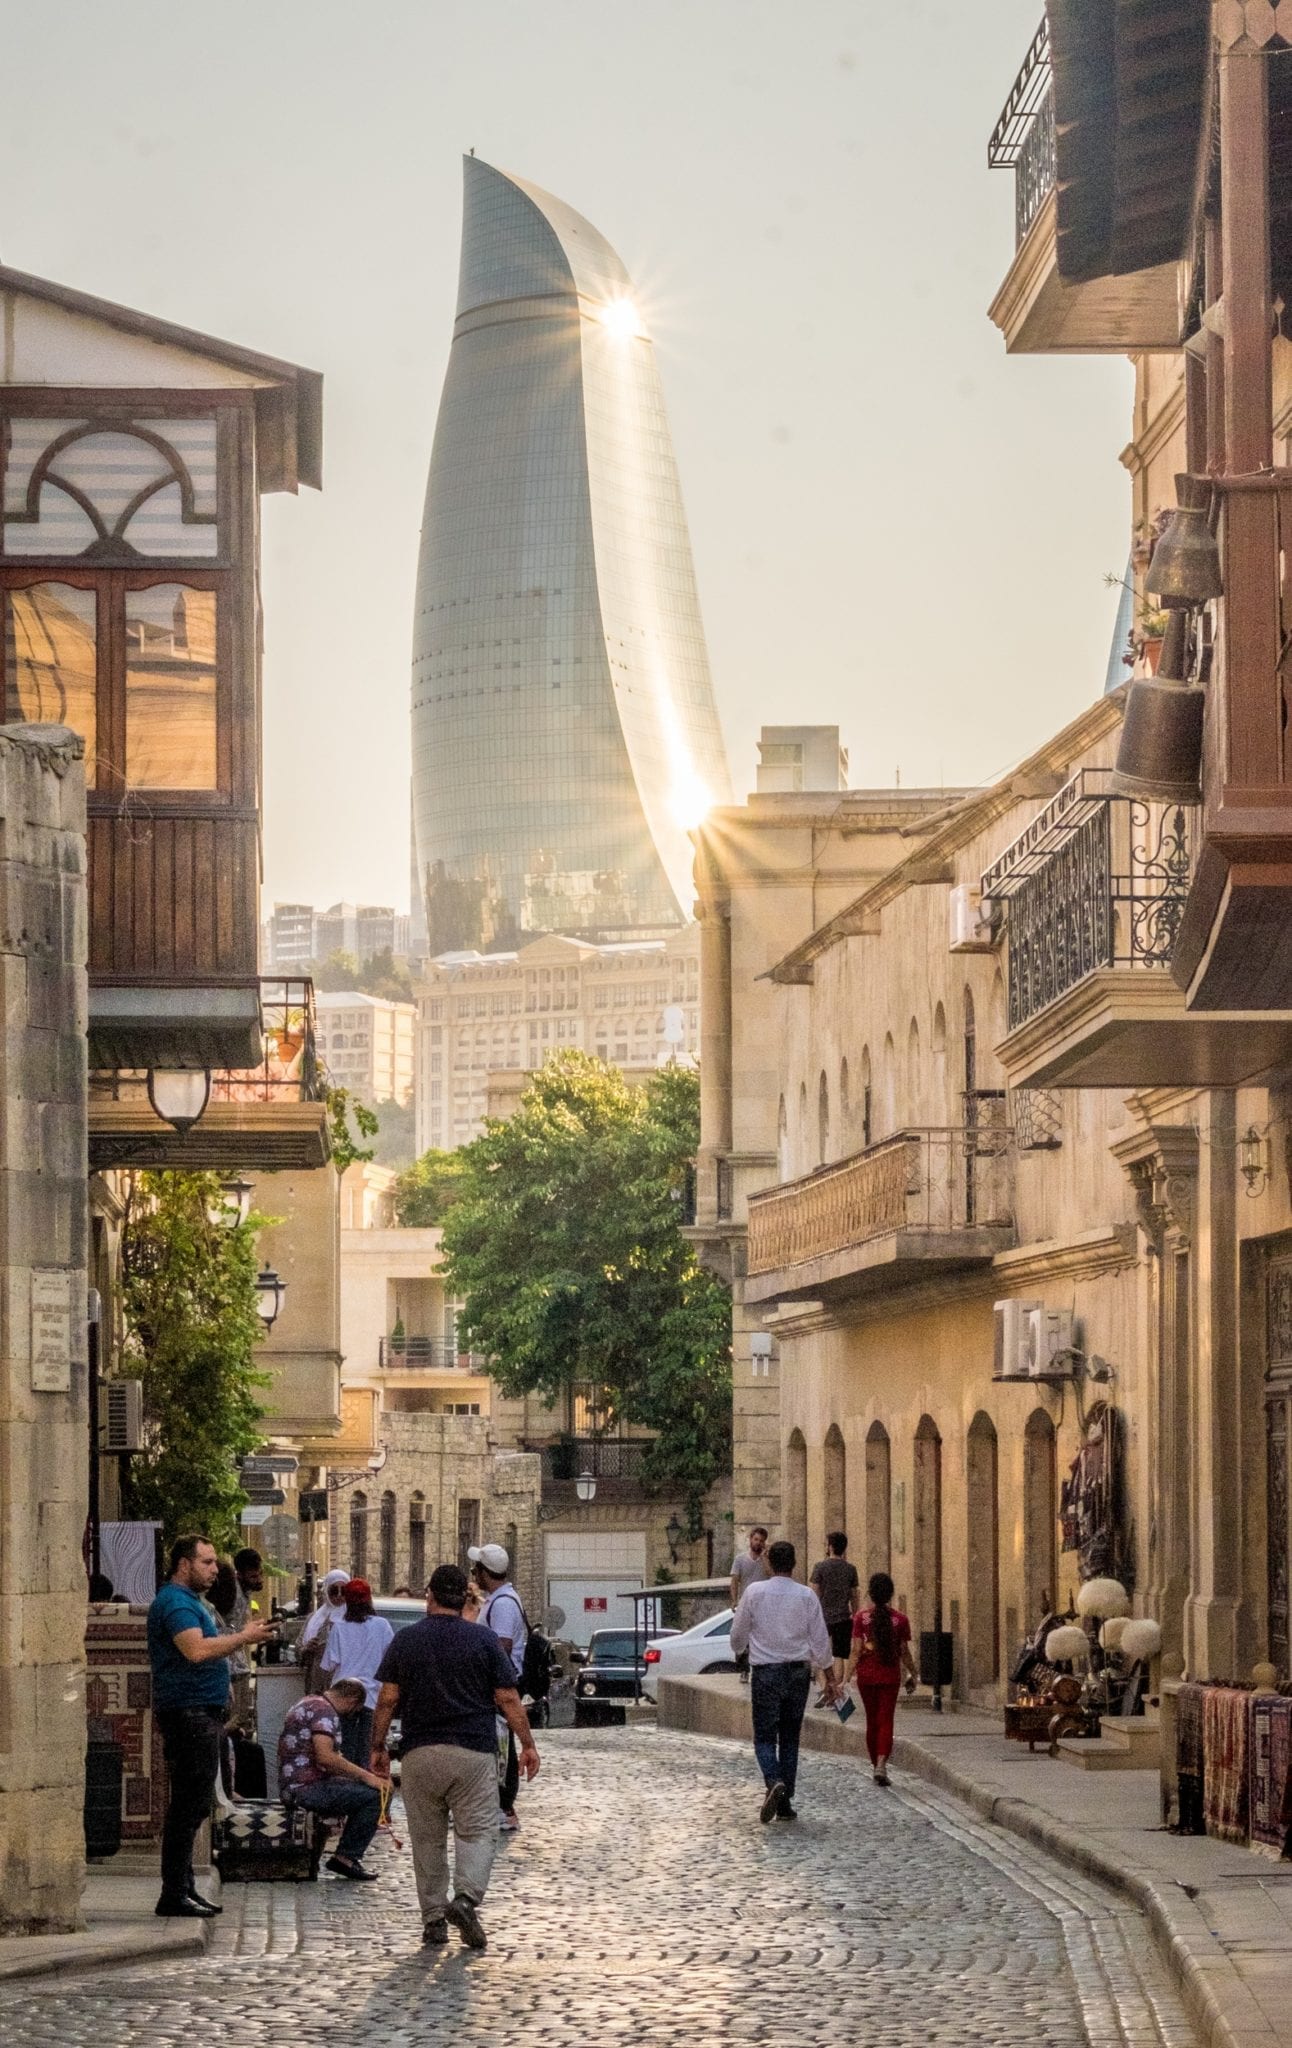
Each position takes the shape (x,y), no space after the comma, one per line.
(1222,1915)
(120,1927)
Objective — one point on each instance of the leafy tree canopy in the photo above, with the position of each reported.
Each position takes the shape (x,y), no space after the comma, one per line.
(381,974)
(426,1190)
(191,1330)
(349,1123)
(395,1133)
(565,1247)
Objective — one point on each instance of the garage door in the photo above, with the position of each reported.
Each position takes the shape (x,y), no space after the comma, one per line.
(590,1602)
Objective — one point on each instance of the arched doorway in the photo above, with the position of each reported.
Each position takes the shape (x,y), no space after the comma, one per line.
(386,1557)
(928,1525)
(796,1498)
(1040,1518)
(417,1542)
(879,1500)
(835,1490)
(358,1558)
(982,1634)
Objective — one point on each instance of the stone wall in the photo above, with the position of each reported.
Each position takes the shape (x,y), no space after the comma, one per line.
(43,1366)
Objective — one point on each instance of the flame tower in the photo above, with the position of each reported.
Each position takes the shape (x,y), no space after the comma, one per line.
(565,736)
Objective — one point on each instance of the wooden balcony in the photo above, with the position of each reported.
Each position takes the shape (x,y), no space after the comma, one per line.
(1038,311)
(920,1203)
(1094,894)
(271,1116)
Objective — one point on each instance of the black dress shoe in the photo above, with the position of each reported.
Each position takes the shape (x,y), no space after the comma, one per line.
(184,1909)
(195,1895)
(354,1871)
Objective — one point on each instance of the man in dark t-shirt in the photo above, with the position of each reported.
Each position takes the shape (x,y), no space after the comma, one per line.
(447,1678)
(838,1590)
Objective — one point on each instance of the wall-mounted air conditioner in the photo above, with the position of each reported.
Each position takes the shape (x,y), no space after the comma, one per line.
(121,1415)
(973,920)
(1014,1338)
(1050,1340)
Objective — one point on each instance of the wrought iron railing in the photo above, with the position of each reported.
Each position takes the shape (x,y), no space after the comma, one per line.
(398,1352)
(1023,138)
(605,1457)
(930,1180)
(1097,880)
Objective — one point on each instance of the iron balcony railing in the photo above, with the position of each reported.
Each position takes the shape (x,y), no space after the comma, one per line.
(605,1457)
(1023,138)
(1098,880)
(923,1180)
(425,1352)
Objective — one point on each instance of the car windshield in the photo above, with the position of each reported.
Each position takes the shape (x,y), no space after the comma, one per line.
(611,1646)
(398,1615)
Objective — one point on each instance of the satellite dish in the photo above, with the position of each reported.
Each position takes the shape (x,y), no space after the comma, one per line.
(553,1620)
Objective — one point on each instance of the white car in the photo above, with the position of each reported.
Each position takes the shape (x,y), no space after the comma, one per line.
(702,1648)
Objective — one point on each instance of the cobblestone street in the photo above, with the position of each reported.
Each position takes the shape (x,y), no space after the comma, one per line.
(643,1902)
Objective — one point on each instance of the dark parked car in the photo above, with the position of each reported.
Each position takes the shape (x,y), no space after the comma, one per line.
(607,1678)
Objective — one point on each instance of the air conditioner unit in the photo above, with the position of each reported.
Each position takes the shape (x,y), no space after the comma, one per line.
(121,1415)
(1015,1336)
(973,920)
(1051,1338)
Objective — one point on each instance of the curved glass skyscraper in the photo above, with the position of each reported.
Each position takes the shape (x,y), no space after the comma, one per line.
(564,730)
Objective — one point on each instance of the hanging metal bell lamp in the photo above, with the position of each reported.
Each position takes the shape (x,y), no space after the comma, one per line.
(1160,755)
(1185,569)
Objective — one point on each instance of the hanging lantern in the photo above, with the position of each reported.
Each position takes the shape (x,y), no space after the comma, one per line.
(1185,569)
(1160,753)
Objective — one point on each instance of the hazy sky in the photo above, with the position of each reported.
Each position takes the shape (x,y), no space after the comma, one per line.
(896,528)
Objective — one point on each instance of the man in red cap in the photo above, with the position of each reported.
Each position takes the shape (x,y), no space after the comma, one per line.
(355,1646)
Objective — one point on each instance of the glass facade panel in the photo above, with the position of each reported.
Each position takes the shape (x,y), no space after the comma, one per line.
(170,688)
(50,661)
(564,731)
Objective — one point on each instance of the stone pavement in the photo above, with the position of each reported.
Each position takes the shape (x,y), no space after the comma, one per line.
(643,1903)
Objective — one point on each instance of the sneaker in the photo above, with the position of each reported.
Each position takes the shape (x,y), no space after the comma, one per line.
(509,1823)
(771,1805)
(435,1933)
(785,1811)
(354,1871)
(462,1912)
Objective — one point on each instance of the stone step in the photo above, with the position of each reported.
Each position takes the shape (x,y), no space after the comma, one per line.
(1123,1746)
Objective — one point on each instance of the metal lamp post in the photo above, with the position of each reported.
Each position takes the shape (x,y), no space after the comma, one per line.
(179,1095)
(270,1291)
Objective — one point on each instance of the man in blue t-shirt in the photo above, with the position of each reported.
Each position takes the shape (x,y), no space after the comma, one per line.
(190,1667)
(447,1678)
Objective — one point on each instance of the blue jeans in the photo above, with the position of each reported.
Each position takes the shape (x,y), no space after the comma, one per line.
(359,1803)
(356,1737)
(779,1697)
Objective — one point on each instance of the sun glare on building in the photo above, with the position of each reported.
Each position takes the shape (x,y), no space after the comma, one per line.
(621,318)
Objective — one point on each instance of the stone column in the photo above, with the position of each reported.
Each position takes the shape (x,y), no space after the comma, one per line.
(1216,1561)
(44,1423)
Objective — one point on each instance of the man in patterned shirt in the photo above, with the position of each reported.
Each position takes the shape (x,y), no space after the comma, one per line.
(313,1773)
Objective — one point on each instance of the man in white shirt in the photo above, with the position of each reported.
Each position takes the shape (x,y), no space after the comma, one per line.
(503,1613)
(781,1625)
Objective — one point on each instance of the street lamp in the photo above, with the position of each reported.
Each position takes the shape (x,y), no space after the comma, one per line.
(235,1194)
(586,1486)
(269,1296)
(673,1534)
(179,1095)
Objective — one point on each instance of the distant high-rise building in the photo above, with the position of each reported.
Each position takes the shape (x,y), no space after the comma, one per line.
(800,757)
(565,736)
(296,934)
(367,1044)
(289,937)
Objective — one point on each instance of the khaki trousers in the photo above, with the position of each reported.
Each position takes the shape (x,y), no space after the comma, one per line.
(440,1783)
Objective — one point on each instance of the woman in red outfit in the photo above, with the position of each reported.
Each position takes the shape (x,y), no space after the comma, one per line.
(881,1645)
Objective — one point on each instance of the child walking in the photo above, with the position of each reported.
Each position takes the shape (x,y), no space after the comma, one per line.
(881,1646)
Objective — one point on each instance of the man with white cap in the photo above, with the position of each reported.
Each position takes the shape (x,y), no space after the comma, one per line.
(314,1635)
(503,1613)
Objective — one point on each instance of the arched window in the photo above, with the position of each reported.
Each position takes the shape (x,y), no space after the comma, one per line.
(879,1500)
(796,1498)
(782,1143)
(1040,1517)
(358,1558)
(835,1489)
(386,1562)
(417,1542)
(939,1031)
(914,1078)
(888,1084)
(970,1082)
(802,1135)
(867,1102)
(845,1110)
(928,1524)
(982,1508)
(822,1120)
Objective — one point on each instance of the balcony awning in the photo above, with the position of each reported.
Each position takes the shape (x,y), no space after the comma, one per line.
(174,1026)
(1130,102)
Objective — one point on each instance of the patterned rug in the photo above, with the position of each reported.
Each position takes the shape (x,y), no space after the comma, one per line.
(1271,1742)
(1189,1754)
(1226,1719)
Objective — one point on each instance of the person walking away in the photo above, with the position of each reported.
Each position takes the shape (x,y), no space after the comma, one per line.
(501,1611)
(355,1646)
(838,1589)
(747,1566)
(781,1625)
(189,1658)
(309,1647)
(881,1646)
(447,1679)
(313,1773)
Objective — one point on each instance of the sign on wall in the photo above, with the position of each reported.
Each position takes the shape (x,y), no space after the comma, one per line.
(51,1331)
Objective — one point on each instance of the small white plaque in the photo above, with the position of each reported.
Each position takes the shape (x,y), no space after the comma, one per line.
(51,1331)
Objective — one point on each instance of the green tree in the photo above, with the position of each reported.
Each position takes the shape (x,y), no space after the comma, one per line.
(191,1330)
(426,1190)
(337,974)
(383,975)
(395,1133)
(565,1245)
(349,1123)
